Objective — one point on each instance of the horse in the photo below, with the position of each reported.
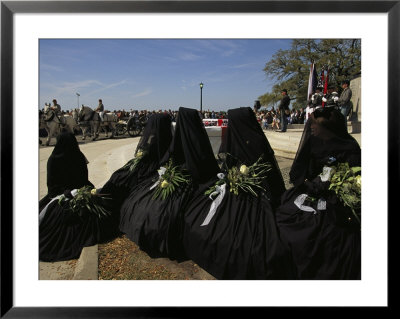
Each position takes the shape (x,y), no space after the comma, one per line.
(87,117)
(53,124)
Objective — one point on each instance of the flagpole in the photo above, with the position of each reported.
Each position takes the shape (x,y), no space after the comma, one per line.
(310,81)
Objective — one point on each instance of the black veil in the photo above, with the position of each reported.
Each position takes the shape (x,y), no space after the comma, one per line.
(153,144)
(191,146)
(156,139)
(245,141)
(66,166)
(325,126)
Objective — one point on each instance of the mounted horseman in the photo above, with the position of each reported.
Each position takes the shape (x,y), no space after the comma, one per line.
(96,119)
(100,109)
(53,121)
(57,110)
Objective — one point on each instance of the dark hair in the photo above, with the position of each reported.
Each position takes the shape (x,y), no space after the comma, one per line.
(346,82)
(284,90)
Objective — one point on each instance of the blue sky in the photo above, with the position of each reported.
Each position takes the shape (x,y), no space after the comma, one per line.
(155,74)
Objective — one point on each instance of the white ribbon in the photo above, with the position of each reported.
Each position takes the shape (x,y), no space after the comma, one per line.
(220,191)
(326,174)
(44,210)
(161,172)
(299,201)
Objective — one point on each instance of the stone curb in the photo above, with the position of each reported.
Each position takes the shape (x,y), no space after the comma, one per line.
(87,265)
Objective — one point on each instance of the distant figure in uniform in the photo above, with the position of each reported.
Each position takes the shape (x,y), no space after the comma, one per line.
(100,109)
(284,110)
(330,97)
(316,98)
(344,100)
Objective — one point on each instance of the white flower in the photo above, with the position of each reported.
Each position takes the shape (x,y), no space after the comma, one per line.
(93,191)
(244,170)
(161,171)
(139,154)
(358,180)
(221,175)
(164,184)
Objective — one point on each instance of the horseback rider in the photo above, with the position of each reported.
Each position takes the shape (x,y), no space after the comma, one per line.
(100,109)
(57,110)
(56,107)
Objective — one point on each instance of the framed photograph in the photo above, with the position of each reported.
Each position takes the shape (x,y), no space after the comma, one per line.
(25,23)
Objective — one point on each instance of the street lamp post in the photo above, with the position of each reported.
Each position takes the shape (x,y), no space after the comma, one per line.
(201,97)
(78,95)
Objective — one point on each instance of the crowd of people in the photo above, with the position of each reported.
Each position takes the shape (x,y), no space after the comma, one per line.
(283,115)
(230,214)
(275,119)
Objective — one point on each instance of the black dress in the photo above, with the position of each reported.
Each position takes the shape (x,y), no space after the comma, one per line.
(323,236)
(241,241)
(62,235)
(156,224)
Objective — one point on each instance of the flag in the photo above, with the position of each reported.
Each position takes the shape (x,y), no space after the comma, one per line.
(312,81)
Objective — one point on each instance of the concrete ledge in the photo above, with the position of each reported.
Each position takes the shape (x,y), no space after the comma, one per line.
(354,127)
(87,265)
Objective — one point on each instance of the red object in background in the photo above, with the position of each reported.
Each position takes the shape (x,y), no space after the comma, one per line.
(325,84)
(223,132)
(219,122)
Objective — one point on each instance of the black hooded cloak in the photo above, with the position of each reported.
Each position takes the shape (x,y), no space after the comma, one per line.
(66,168)
(324,243)
(62,233)
(156,224)
(241,241)
(154,143)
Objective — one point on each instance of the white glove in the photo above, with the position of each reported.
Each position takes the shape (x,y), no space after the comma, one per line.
(312,98)
(335,98)
(324,99)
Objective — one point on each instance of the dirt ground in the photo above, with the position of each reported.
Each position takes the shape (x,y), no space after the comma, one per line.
(121,259)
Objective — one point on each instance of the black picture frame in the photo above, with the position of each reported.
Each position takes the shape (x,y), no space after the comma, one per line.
(9,8)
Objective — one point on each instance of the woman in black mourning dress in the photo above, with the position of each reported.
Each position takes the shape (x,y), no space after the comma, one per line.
(153,144)
(156,224)
(241,240)
(61,235)
(325,239)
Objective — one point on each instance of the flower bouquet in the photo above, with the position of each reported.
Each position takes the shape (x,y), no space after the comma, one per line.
(171,177)
(345,181)
(85,200)
(243,178)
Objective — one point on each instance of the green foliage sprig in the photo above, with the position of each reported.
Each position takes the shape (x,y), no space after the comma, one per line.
(85,201)
(133,163)
(346,183)
(172,178)
(244,178)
